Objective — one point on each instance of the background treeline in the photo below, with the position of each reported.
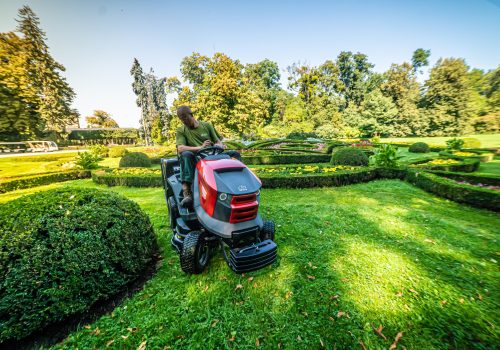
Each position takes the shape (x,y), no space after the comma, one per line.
(35,99)
(343,97)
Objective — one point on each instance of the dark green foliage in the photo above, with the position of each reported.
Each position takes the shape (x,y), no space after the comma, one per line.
(135,159)
(455,143)
(319,180)
(99,150)
(39,180)
(109,179)
(471,178)
(470,142)
(333,145)
(349,156)
(385,156)
(297,135)
(286,159)
(447,188)
(87,160)
(117,152)
(65,249)
(419,147)
(234,145)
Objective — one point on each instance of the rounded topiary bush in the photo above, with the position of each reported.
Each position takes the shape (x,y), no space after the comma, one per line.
(63,250)
(117,152)
(349,156)
(135,160)
(419,147)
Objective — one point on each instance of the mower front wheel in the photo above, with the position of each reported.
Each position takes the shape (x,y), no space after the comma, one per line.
(195,253)
(267,231)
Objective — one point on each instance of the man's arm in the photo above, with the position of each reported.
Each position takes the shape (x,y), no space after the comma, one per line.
(215,137)
(183,148)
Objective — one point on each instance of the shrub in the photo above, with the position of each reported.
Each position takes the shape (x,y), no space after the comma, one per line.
(349,156)
(39,180)
(135,159)
(99,150)
(299,135)
(87,160)
(470,142)
(144,177)
(64,250)
(333,145)
(117,152)
(455,143)
(385,156)
(419,147)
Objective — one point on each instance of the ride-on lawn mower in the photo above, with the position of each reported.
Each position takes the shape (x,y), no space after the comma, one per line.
(224,214)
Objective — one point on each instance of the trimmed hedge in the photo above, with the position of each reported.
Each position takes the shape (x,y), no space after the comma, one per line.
(320,180)
(483,157)
(40,180)
(135,160)
(472,178)
(64,250)
(108,179)
(117,152)
(349,156)
(447,188)
(467,166)
(286,159)
(104,133)
(419,147)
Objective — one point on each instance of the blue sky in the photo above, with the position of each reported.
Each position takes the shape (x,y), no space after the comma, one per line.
(97,40)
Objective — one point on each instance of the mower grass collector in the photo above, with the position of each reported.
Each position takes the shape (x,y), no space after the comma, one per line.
(226,197)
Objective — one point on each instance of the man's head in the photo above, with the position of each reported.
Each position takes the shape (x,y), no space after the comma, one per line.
(186,116)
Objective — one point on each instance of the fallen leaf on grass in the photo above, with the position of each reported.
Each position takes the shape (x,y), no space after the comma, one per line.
(395,344)
(110,342)
(379,331)
(206,288)
(461,301)
(334,297)
(413,291)
(132,330)
(479,296)
(239,286)
(255,284)
(214,323)
(250,279)
(340,314)
(443,302)
(288,295)
(233,336)
(321,342)
(331,318)
(345,279)
(299,338)
(96,331)
(362,344)
(142,346)
(399,294)
(125,336)
(257,342)
(87,327)
(311,277)
(427,240)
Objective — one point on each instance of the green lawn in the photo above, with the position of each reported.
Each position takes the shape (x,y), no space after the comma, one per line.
(382,253)
(490,169)
(487,141)
(22,166)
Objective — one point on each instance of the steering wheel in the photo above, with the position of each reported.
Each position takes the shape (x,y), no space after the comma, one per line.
(209,151)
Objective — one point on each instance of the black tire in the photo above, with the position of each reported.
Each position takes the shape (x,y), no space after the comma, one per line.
(173,212)
(267,231)
(195,253)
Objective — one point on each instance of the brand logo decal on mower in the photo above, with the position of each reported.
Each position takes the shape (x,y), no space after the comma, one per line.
(242,188)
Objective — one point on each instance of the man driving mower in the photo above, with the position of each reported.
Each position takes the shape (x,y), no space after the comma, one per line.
(191,137)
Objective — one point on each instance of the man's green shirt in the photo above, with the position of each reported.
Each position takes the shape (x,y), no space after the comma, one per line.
(195,137)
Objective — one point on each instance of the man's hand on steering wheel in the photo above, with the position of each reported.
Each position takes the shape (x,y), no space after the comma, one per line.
(209,151)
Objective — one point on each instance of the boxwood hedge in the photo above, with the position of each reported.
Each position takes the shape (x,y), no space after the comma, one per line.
(63,250)
(467,165)
(129,180)
(39,180)
(135,159)
(286,159)
(448,188)
(482,156)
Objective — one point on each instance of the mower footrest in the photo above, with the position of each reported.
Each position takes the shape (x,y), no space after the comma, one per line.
(253,257)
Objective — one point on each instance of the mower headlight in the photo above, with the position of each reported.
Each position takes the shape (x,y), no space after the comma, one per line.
(223,196)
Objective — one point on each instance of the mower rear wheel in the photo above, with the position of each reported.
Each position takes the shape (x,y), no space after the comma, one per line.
(173,212)
(195,253)
(267,231)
